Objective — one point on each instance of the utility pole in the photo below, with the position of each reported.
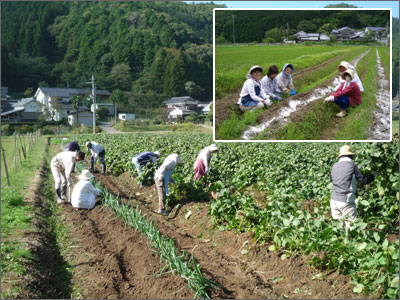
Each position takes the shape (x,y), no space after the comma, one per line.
(287,31)
(233,26)
(93,96)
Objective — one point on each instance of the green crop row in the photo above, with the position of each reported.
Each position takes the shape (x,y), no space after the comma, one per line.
(293,213)
(233,63)
(234,126)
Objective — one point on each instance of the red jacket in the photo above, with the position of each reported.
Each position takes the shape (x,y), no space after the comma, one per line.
(352,91)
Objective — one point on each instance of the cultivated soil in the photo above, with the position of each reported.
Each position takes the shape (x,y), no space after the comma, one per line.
(116,262)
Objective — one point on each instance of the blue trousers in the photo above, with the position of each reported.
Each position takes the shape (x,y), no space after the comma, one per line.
(343,102)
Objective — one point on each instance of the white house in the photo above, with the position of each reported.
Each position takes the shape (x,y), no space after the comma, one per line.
(323,37)
(186,102)
(27,109)
(58,100)
(205,108)
(179,112)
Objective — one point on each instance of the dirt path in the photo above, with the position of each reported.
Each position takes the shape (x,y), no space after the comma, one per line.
(244,269)
(380,129)
(277,118)
(225,105)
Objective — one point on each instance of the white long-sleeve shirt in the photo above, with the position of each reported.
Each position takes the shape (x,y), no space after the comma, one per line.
(249,89)
(205,155)
(84,195)
(96,149)
(65,161)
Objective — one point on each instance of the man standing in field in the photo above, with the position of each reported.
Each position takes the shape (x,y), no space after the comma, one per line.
(97,151)
(61,168)
(344,175)
(162,177)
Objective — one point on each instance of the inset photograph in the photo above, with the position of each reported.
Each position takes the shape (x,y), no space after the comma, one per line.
(284,75)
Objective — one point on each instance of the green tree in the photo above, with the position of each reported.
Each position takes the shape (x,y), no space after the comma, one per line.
(76,102)
(29,92)
(274,34)
(306,26)
(121,76)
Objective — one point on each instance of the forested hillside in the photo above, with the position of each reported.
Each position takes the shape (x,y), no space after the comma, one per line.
(148,50)
(250,26)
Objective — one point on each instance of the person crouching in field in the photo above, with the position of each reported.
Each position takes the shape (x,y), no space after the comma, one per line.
(61,168)
(285,81)
(344,175)
(202,164)
(348,94)
(270,84)
(84,193)
(253,95)
(142,159)
(162,177)
(344,65)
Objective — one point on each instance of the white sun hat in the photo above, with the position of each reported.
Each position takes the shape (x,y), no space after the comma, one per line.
(85,175)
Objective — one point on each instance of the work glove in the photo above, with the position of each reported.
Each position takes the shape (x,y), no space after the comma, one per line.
(293,92)
(329,99)
(267,102)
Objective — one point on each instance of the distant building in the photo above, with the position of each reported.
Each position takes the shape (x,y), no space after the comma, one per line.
(85,117)
(311,37)
(27,109)
(58,100)
(182,107)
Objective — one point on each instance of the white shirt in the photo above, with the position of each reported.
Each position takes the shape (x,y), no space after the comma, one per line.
(96,149)
(65,161)
(84,195)
(167,166)
(249,89)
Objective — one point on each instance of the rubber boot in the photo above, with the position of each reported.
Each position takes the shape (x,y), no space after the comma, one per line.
(91,164)
(103,168)
(64,193)
(58,192)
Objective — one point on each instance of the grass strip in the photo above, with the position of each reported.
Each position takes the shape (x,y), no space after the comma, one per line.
(317,119)
(181,262)
(234,126)
(356,124)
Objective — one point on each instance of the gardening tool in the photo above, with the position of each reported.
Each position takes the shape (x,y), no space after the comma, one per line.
(293,92)
(69,194)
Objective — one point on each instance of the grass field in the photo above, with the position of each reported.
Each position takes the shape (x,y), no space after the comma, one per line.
(233,63)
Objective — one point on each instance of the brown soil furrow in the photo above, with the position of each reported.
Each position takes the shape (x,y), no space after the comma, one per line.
(256,273)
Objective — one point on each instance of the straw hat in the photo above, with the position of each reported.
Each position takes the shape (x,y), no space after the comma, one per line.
(85,175)
(349,72)
(345,150)
(213,148)
(344,64)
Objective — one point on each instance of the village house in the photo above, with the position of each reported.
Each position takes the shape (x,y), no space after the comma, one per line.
(27,109)
(182,107)
(58,101)
(311,37)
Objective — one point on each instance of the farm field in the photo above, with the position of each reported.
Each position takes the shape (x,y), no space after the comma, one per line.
(303,116)
(269,225)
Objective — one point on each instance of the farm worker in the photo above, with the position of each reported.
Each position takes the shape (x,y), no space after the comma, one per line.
(253,95)
(97,152)
(344,65)
(270,84)
(344,175)
(61,167)
(142,159)
(72,146)
(202,164)
(284,79)
(348,94)
(84,193)
(162,177)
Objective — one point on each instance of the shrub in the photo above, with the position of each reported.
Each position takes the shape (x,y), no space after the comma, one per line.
(156,122)
(7,129)
(24,129)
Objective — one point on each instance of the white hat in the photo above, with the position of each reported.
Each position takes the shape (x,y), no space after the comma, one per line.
(157,153)
(345,150)
(85,175)
(213,148)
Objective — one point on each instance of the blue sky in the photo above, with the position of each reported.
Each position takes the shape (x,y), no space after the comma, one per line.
(394,5)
